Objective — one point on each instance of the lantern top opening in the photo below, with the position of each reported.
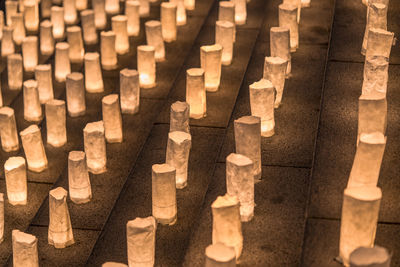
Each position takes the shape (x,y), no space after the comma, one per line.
(6,111)
(279,29)
(288,7)
(275,60)
(29,130)
(227,4)
(262,84)
(153,23)
(30,83)
(239,159)
(249,120)
(225,202)
(107,33)
(162,168)
(179,136)
(22,237)
(225,24)
(58,193)
(55,102)
(168,5)
(43,67)
(76,76)
(195,72)
(133,3)
(146,48)
(76,155)
(30,39)
(62,45)
(365,193)
(129,72)
(373,138)
(179,106)
(57,8)
(73,29)
(13,163)
(211,48)
(110,99)
(119,18)
(92,127)
(91,56)
(46,23)
(142,222)
(87,12)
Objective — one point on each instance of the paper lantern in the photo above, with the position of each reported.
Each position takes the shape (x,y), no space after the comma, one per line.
(43,77)
(370,257)
(46,38)
(376,72)
(112,7)
(129,91)
(226,12)
(180,12)
(154,38)
(179,117)
(32,108)
(220,255)
(33,147)
(80,190)
(76,49)
(280,46)
(100,16)
(7,43)
(119,27)
(107,49)
(89,27)
(288,19)
(224,32)
(132,14)
(372,115)
(112,118)
(14,71)
(146,64)
(211,60)
(379,43)
(93,76)
(62,62)
(57,19)
(56,123)
(11,9)
(168,21)
(45,8)
(75,89)
(16,181)
(95,147)
(196,93)
(9,134)
(31,15)
(144,9)
(296,3)
(376,19)
(18,27)
(30,53)
(70,13)
(275,71)
(25,251)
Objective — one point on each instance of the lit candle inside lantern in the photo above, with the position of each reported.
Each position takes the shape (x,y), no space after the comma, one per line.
(226,12)
(45,8)
(25,251)
(60,229)
(379,43)
(100,16)
(296,3)
(93,76)
(180,12)
(1,217)
(14,71)
(57,19)
(15,173)
(280,45)
(211,60)
(11,9)
(248,141)
(220,255)
(376,70)
(130,91)
(46,38)
(80,190)
(275,71)
(7,43)
(146,64)
(370,257)
(164,193)
(76,103)
(288,19)
(56,122)
(95,147)
(43,76)
(18,28)
(9,134)
(107,49)
(189,4)
(305,3)
(112,118)
(240,183)
(33,147)
(112,7)
(154,38)
(196,93)
(168,21)
(227,228)
(70,13)
(62,63)
(81,4)
(76,49)
(262,97)
(179,117)
(359,219)
(113,264)
(31,15)
(120,28)
(224,32)
(132,14)
(30,53)
(367,161)
(372,115)
(32,108)
(88,27)
(376,18)
(141,239)
(240,11)
(144,9)
(177,156)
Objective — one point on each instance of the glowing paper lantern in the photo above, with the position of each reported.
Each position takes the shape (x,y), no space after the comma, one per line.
(146,64)
(107,49)
(56,123)
(224,32)
(30,53)
(129,91)
(240,11)
(220,255)
(227,228)
(14,71)
(376,72)
(11,9)
(248,141)
(25,251)
(100,16)
(280,45)
(16,181)
(275,71)
(93,76)
(144,9)
(9,134)
(154,38)
(32,108)
(88,27)
(80,190)
(112,118)
(370,257)
(57,19)
(76,49)
(226,12)
(141,239)
(45,8)
(112,7)
(70,13)
(119,27)
(31,15)
(372,115)
(377,19)
(132,14)
(164,193)
(62,63)
(18,26)
(46,38)
(288,19)
(168,21)
(95,147)
(180,12)
(7,43)
(359,219)
(211,60)
(60,229)
(379,43)
(33,148)
(179,117)
(43,76)
(75,89)
(196,93)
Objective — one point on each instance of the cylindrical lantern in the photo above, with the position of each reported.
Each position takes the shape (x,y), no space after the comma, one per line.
(100,16)
(14,71)
(376,72)
(146,65)
(376,18)
(379,43)
(93,76)
(288,19)
(219,255)
(211,60)
(129,91)
(180,12)
(112,118)
(24,247)
(154,38)
(179,117)
(262,98)
(144,9)
(226,227)
(224,32)
(132,14)
(248,141)
(141,239)
(296,3)
(120,28)
(11,9)
(370,257)
(32,108)
(80,190)
(226,12)
(46,38)
(196,93)
(16,181)
(177,156)
(372,115)
(95,147)
(107,50)
(62,63)
(164,194)
(33,148)
(275,72)
(7,43)
(76,49)
(56,123)
(60,229)
(240,11)
(43,76)
(88,27)
(81,4)
(45,8)
(9,134)
(359,219)
(70,13)
(30,53)
(112,7)
(18,26)
(75,88)
(168,21)
(57,19)
(280,45)
(31,15)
